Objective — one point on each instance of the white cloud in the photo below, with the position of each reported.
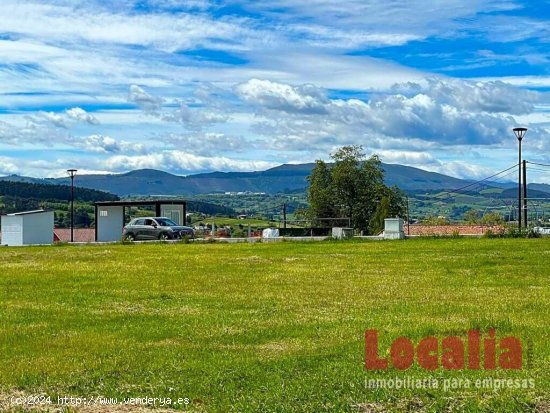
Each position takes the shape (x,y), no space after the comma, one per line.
(439,111)
(371,23)
(277,90)
(522,81)
(8,166)
(406,157)
(83,22)
(460,169)
(55,118)
(489,96)
(33,132)
(101,144)
(209,143)
(300,99)
(183,162)
(194,119)
(144,100)
(80,115)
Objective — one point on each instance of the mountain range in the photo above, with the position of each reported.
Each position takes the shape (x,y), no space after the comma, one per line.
(285,178)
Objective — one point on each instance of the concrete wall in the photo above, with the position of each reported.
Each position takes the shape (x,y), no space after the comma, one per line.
(12,230)
(173,212)
(38,228)
(110,221)
(393,228)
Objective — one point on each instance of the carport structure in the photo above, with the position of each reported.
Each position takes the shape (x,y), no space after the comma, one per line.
(109,215)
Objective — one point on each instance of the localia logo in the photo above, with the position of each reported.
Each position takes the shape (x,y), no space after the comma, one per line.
(474,352)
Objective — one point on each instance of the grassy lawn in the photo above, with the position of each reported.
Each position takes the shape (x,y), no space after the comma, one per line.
(272,327)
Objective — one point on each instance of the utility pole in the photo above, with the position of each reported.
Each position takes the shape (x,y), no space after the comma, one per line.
(408,219)
(72,173)
(525,192)
(284,215)
(520,133)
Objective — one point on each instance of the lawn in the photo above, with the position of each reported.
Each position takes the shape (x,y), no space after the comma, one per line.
(269,327)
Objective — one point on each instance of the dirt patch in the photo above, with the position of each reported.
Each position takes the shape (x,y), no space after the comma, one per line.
(542,406)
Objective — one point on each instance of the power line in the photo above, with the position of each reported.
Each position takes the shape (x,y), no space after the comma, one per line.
(538,169)
(501,177)
(457,191)
(539,164)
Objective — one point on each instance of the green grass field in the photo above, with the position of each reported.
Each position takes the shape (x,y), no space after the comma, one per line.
(274,327)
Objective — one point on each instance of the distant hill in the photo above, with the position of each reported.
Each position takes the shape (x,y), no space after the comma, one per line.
(540,187)
(284,178)
(27,180)
(48,192)
(513,193)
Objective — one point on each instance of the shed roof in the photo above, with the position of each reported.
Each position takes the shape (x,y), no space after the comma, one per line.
(38,211)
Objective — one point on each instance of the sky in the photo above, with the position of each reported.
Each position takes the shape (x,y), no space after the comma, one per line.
(189,86)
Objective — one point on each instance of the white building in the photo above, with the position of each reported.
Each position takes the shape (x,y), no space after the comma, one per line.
(28,228)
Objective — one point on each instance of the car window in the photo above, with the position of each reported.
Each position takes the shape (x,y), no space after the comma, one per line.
(165,222)
(149,222)
(139,222)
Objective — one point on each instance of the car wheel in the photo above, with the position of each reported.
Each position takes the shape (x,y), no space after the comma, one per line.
(164,236)
(130,237)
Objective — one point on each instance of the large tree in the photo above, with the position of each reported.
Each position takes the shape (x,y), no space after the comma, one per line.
(321,193)
(353,187)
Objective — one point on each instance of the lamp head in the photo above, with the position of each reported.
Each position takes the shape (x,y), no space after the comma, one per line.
(72,172)
(520,133)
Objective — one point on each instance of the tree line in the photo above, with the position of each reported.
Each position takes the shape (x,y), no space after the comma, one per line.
(45,192)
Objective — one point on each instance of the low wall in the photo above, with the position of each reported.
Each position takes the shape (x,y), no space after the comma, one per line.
(428,230)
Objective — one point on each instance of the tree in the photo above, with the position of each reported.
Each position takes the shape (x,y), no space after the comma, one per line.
(471,217)
(397,202)
(59,219)
(353,187)
(436,220)
(320,193)
(382,212)
(492,218)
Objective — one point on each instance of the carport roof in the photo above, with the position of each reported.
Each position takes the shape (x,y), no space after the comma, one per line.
(143,202)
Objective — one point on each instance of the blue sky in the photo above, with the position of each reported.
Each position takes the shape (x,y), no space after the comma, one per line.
(200,85)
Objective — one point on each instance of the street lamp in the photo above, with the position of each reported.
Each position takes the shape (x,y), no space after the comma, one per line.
(520,133)
(72,173)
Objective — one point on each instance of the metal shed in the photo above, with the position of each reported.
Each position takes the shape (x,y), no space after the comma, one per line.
(109,215)
(28,228)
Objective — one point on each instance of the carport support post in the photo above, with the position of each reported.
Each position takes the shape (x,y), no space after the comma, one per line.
(95,215)
(157,209)
(185,214)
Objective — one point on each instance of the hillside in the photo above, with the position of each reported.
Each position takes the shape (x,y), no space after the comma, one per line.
(284,178)
(47,192)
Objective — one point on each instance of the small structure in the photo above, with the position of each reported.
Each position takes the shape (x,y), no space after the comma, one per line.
(342,233)
(269,233)
(28,228)
(542,231)
(393,228)
(109,216)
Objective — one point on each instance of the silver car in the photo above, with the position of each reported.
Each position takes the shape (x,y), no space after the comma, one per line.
(155,228)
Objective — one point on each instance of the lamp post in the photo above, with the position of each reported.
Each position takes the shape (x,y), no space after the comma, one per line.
(72,173)
(520,133)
